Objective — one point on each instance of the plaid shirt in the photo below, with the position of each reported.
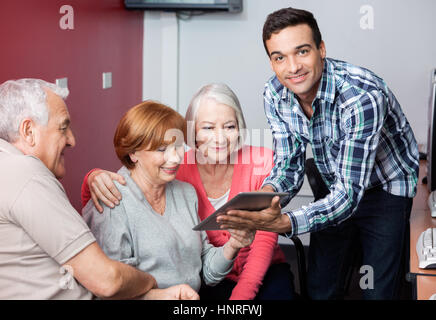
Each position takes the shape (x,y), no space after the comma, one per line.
(360,139)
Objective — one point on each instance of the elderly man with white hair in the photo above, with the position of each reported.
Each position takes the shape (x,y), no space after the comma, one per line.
(46,249)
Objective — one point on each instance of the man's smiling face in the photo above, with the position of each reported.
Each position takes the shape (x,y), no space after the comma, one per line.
(296,60)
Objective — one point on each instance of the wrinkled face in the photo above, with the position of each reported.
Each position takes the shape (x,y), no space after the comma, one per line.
(160,166)
(53,138)
(216,131)
(296,60)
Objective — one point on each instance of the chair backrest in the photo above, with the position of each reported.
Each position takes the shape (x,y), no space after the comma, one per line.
(316,182)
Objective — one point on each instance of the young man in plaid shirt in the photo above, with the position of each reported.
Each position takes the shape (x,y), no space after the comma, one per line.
(363,147)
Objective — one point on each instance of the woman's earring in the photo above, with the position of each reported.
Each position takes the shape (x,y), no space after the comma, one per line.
(133,158)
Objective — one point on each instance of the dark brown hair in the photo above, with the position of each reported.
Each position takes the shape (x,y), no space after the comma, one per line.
(289,17)
(143,127)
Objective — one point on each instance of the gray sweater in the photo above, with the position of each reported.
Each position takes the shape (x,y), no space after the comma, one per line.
(164,246)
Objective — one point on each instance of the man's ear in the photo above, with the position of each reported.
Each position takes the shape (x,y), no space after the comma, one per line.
(27,132)
(322,49)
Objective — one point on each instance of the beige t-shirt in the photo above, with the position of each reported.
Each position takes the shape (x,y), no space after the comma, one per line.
(39,231)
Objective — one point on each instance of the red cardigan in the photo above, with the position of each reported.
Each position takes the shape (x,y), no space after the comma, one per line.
(253,165)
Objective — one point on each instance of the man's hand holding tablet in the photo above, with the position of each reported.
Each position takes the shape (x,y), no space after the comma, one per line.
(269,219)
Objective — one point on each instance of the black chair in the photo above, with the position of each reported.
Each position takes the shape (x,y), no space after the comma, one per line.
(320,190)
(301,263)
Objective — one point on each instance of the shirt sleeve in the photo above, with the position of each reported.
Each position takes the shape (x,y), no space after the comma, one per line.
(214,265)
(258,261)
(85,194)
(361,125)
(287,175)
(112,231)
(43,210)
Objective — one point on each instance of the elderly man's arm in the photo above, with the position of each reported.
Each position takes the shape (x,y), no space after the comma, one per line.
(43,211)
(48,217)
(108,278)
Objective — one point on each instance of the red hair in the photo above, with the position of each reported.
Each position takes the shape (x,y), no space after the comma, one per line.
(143,127)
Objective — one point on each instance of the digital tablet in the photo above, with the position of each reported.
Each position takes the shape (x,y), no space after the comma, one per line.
(250,201)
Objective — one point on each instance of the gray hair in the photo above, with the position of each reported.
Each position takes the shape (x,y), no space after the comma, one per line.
(221,93)
(24,98)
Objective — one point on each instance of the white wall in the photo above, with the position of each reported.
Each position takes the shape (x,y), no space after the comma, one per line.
(228,48)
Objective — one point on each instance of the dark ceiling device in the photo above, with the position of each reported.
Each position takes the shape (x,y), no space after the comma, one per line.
(233,6)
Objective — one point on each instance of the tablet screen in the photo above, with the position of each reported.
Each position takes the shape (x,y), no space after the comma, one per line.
(250,201)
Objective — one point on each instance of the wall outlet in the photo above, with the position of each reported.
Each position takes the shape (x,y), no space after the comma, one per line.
(62,82)
(107,80)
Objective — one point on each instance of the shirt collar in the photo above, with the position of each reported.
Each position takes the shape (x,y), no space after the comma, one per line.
(327,86)
(9,148)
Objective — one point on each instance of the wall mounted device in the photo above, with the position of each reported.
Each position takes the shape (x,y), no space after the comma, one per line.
(426,249)
(432,203)
(232,6)
(431,137)
(107,80)
(62,82)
